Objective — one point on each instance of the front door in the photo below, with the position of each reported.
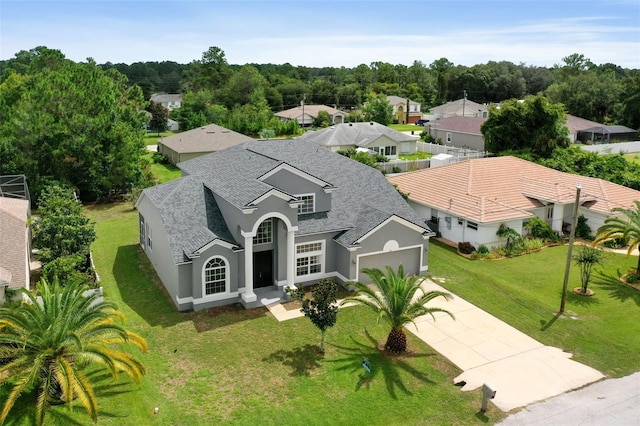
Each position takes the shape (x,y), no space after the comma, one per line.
(262,269)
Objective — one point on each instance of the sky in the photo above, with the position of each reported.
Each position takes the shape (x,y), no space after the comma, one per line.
(327,33)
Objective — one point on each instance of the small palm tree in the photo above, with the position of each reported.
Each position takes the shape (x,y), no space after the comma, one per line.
(394,302)
(47,343)
(620,228)
(586,258)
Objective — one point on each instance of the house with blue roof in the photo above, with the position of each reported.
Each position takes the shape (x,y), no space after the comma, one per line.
(243,223)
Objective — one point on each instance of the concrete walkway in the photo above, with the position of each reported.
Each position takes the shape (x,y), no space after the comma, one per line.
(521,369)
(609,402)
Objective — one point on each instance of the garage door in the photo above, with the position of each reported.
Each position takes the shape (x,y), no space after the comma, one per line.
(409,258)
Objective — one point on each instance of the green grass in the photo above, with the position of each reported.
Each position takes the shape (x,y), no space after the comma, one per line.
(601,331)
(407,128)
(163,172)
(419,155)
(236,366)
(151,138)
(635,157)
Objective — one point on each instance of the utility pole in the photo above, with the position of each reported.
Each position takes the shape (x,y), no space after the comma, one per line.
(304,97)
(572,236)
(464,101)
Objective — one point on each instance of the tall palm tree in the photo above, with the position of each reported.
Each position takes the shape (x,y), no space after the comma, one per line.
(394,302)
(620,228)
(48,342)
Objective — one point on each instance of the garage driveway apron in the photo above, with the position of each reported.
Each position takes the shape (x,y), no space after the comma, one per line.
(521,369)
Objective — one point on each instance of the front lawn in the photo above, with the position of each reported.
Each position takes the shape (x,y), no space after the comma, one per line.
(163,172)
(418,155)
(236,366)
(635,157)
(602,331)
(407,128)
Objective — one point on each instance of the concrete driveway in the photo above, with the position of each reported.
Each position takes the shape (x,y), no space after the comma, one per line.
(521,369)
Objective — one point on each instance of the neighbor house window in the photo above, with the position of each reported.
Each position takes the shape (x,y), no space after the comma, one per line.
(460,221)
(309,258)
(388,150)
(264,234)
(308,204)
(149,237)
(472,225)
(448,137)
(215,276)
(142,231)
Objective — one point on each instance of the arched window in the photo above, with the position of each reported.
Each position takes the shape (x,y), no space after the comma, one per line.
(215,276)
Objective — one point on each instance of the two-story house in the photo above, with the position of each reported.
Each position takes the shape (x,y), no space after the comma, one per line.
(244,222)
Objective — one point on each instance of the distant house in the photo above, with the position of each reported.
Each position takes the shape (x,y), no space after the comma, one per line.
(307,113)
(169,101)
(467,201)
(244,223)
(172,125)
(370,135)
(15,244)
(461,107)
(607,134)
(458,131)
(577,124)
(200,141)
(400,110)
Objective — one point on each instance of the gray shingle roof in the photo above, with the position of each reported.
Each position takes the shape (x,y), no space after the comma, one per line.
(358,134)
(208,138)
(362,198)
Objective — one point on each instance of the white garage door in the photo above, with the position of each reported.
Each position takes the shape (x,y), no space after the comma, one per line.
(409,258)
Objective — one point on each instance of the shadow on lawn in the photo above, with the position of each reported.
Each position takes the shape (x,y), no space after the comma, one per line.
(301,360)
(615,288)
(141,289)
(382,364)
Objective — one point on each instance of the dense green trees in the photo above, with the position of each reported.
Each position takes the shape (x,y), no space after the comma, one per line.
(70,122)
(159,117)
(377,108)
(50,344)
(534,124)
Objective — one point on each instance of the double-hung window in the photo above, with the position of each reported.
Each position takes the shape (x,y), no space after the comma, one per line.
(215,276)
(308,203)
(309,258)
(142,237)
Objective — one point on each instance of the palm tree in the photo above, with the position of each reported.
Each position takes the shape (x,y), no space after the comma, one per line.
(586,258)
(394,302)
(48,342)
(619,228)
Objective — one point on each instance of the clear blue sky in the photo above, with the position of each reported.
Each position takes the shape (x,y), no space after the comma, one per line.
(327,33)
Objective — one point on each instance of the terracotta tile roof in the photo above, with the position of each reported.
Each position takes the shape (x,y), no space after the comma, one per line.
(14,242)
(503,188)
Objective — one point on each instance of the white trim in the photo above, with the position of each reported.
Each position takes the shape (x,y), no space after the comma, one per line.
(249,210)
(394,218)
(279,215)
(227,280)
(295,171)
(216,242)
(420,246)
(302,203)
(336,274)
(207,299)
(272,192)
(322,253)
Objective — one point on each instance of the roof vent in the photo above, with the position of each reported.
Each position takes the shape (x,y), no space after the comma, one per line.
(371,124)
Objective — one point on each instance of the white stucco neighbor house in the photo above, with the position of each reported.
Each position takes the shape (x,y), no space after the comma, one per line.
(400,108)
(170,101)
(243,223)
(370,135)
(460,107)
(468,200)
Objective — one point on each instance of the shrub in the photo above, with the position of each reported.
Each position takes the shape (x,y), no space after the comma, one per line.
(582,229)
(538,228)
(632,277)
(483,250)
(531,244)
(466,247)
(615,243)
(396,169)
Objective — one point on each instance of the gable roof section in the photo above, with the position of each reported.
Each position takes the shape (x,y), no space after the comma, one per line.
(208,138)
(459,124)
(165,97)
(192,218)
(454,106)
(358,134)
(310,110)
(284,166)
(576,124)
(504,188)
(395,100)
(14,214)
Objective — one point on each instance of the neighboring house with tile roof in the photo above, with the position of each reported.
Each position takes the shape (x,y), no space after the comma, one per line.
(400,110)
(470,199)
(245,222)
(199,141)
(461,107)
(170,101)
(307,113)
(458,131)
(15,244)
(370,135)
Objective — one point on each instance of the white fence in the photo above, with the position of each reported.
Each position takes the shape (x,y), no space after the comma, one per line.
(613,148)
(459,153)
(401,166)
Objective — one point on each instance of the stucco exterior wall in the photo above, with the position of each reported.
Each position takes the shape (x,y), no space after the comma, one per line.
(296,185)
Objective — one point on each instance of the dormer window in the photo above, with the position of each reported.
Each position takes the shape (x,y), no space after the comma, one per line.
(308,204)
